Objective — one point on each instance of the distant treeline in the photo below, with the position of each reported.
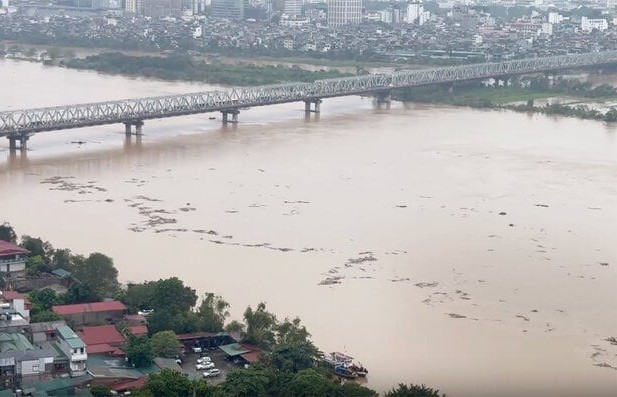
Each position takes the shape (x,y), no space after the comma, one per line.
(184,67)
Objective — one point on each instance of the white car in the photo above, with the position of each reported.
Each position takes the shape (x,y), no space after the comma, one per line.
(211,373)
(196,349)
(203,360)
(205,366)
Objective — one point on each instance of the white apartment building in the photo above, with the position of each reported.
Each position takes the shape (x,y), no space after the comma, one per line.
(74,348)
(587,24)
(344,12)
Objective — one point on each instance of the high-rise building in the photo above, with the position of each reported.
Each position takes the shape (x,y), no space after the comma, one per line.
(133,6)
(344,12)
(293,7)
(232,9)
(161,8)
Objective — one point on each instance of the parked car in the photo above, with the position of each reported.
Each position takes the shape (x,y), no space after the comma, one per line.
(203,360)
(145,312)
(211,373)
(209,365)
(196,349)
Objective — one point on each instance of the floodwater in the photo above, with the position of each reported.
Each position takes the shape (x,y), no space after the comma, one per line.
(473,251)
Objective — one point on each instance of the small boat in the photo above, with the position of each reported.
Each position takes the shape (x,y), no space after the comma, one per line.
(344,372)
(212,118)
(336,358)
(359,370)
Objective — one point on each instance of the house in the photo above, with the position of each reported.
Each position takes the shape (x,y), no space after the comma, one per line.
(74,349)
(241,353)
(103,339)
(19,302)
(138,330)
(91,313)
(45,332)
(12,257)
(21,363)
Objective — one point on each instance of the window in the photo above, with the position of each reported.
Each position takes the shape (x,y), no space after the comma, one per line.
(35,367)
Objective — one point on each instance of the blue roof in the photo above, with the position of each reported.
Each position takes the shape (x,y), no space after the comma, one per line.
(61,273)
(70,336)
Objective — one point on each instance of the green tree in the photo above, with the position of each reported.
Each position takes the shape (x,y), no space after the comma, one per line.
(100,391)
(291,332)
(352,389)
(235,326)
(165,344)
(44,299)
(35,265)
(611,114)
(413,391)
(251,382)
(294,357)
(44,316)
(7,233)
(139,296)
(310,383)
(169,383)
(139,351)
(173,296)
(36,246)
(98,273)
(62,258)
(81,293)
(260,326)
(212,312)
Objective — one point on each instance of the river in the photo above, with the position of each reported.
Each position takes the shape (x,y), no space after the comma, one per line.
(473,250)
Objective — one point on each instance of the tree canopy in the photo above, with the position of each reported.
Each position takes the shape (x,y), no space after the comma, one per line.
(212,312)
(260,326)
(413,391)
(97,271)
(139,351)
(165,344)
(7,233)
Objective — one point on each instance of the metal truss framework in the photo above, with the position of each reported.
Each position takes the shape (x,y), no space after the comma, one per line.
(17,123)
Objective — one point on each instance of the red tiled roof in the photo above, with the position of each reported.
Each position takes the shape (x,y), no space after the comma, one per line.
(7,248)
(129,384)
(102,334)
(10,295)
(64,310)
(138,330)
(196,335)
(135,318)
(100,348)
(251,357)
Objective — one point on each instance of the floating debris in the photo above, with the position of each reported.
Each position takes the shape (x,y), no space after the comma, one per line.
(426,285)
(456,315)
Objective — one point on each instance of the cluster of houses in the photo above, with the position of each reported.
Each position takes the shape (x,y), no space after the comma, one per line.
(85,348)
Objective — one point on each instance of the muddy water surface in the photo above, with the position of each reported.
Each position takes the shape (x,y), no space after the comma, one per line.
(474,251)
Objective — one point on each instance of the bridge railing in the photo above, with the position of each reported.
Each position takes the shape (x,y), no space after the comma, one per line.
(61,117)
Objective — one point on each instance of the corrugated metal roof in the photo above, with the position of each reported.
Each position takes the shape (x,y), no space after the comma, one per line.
(101,334)
(89,308)
(234,349)
(7,248)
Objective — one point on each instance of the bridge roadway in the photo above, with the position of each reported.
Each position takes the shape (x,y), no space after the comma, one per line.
(19,125)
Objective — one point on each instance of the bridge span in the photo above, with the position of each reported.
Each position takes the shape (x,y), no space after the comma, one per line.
(19,125)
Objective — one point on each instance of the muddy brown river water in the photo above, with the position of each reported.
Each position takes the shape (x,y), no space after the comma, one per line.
(473,251)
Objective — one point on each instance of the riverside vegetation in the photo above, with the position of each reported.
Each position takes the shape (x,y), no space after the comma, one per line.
(290,364)
(181,66)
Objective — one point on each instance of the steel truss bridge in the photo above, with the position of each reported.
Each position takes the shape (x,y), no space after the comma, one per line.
(18,125)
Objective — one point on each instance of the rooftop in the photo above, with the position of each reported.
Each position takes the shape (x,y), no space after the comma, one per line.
(138,330)
(64,310)
(7,248)
(234,349)
(70,337)
(101,334)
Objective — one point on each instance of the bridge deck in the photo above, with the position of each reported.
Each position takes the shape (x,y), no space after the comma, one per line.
(28,121)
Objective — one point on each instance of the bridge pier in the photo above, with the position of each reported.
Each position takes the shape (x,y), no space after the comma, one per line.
(383,97)
(316,106)
(128,127)
(234,116)
(23,142)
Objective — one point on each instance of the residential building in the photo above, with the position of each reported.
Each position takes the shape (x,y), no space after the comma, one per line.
(344,12)
(74,349)
(413,12)
(91,313)
(293,8)
(17,302)
(230,9)
(588,24)
(21,363)
(45,332)
(103,339)
(161,8)
(133,6)
(12,257)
